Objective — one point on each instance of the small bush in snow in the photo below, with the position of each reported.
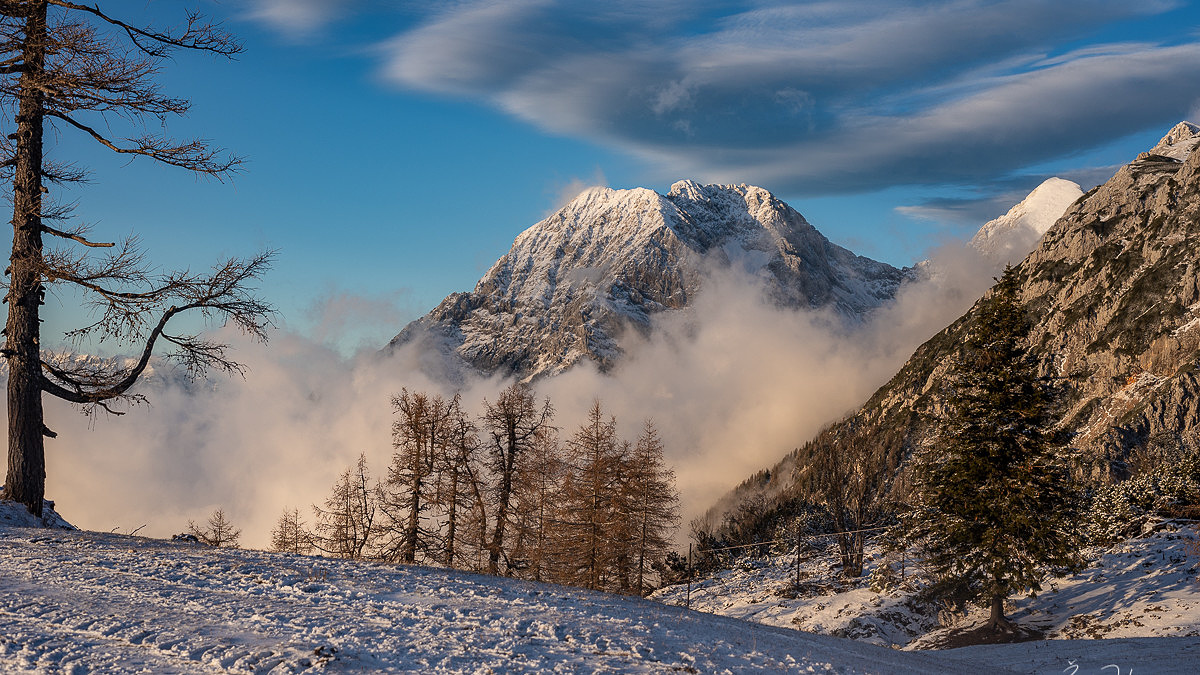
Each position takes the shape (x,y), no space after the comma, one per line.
(1119,510)
(883,578)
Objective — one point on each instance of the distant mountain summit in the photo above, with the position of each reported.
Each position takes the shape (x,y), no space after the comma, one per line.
(1012,236)
(603,265)
(1178,143)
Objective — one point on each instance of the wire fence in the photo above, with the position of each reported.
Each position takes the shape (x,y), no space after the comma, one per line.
(797,539)
(756,544)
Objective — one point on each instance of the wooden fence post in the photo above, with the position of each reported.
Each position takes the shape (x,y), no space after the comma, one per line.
(689,576)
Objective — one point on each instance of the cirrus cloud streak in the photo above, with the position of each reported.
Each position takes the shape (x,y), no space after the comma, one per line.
(817,97)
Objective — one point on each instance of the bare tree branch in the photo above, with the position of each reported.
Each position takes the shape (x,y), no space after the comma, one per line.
(195,155)
(75,237)
(60,60)
(223,294)
(197,34)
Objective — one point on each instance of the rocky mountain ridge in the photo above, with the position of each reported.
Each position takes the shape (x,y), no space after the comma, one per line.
(1115,284)
(573,284)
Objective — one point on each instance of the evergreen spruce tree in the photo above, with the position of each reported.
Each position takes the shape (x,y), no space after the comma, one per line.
(994,507)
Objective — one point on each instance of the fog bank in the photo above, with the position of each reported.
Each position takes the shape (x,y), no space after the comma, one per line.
(733,384)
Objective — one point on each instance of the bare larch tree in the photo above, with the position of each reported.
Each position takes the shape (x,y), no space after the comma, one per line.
(513,424)
(290,534)
(347,527)
(72,68)
(538,499)
(653,506)
(849,477)
(420,437)
(596,531)
(459,479)
(219,532)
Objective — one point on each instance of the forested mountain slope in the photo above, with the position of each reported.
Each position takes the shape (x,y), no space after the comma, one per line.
(1115,289)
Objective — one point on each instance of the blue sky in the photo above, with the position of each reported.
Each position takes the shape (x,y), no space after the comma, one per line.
(394,150)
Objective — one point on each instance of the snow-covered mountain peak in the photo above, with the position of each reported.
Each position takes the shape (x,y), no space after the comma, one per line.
(1179,141)
(1011,237)
(687,187)
(607,261)
(732,205)
(596,219)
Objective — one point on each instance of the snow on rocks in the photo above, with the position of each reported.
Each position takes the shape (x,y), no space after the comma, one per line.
(1179,142)
(573,285)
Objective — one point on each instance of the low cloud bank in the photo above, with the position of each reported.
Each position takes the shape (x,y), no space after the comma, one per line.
(733,384)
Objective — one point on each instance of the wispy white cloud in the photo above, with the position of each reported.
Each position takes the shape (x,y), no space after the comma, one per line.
(564,192)
(299,17)
(352,322)
(813,97)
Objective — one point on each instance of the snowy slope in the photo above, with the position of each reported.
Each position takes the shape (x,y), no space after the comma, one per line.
(1145,587)
(80,602)
(1132,595)
(1012,236)
(574,284)
(87,602)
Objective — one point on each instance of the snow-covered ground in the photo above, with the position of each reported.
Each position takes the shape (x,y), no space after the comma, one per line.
(764,590)
(78,602)
(1129,594)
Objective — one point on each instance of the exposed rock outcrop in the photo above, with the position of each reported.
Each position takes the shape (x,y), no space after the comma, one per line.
(1115,289)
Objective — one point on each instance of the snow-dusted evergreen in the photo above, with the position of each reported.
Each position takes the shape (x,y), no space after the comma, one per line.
(604,264)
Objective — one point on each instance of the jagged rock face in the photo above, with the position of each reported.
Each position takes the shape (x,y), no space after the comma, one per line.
(1117,286)
(575,283)
(1113,285)
(1178,143)
(1115,289)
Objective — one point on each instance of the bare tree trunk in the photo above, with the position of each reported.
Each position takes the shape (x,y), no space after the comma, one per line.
(452,519)
(412,528)
(496,546)
(26,479)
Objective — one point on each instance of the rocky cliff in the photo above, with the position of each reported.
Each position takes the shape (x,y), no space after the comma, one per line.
(1115,287)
